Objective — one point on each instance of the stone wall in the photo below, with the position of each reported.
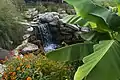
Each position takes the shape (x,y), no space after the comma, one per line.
(47,30)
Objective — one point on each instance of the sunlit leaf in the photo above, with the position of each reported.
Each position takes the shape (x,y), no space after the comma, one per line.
(103,64)
(72,52)
(104,18)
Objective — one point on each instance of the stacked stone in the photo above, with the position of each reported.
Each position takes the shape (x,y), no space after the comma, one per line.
(60,31)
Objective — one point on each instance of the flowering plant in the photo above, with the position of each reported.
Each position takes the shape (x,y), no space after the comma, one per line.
(32,67)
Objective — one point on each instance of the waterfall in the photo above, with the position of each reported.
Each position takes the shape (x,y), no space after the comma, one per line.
(46,37)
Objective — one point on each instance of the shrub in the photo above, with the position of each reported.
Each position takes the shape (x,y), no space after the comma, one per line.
(19,4)
(49,7)
(31,67)
(10,30)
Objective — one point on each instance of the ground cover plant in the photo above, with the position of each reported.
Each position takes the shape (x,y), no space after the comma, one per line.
(32,67)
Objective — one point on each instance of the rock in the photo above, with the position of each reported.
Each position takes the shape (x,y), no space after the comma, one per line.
(26,47)
(24,43)
(35,13)
(35,19)
(54,23)
(30,29)
(85,29)
(63,15)
(63,12)
(48,16)
(65,33)
(2,67)
(73,27)
(34,25)
(32,22)
(30,47)
(26,36)
(54,29)
(4,53)
(66,29)
(51,24)
(56,17)
(67,37)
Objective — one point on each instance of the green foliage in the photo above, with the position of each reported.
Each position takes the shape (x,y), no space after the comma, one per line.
(102,17)
(19,4)
(74,19)
(106,3)
(10,30)
(103,63)
(51,7)
(36,68)
(72,52)
(54,70)
(118,6)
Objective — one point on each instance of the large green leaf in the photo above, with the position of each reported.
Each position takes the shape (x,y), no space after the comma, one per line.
(72,52)
(117,36)
(74,19)
(118,6)
(88,36)
(87,9)
(68,18)
(103,64)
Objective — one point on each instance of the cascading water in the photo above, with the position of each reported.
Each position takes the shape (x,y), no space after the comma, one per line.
(46,37)
(51,31)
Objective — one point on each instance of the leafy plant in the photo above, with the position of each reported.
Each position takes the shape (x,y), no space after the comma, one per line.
(49,7)
(71,53)
(74,19)
(9,25)
(32,67)
(104,62)
(19,4)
